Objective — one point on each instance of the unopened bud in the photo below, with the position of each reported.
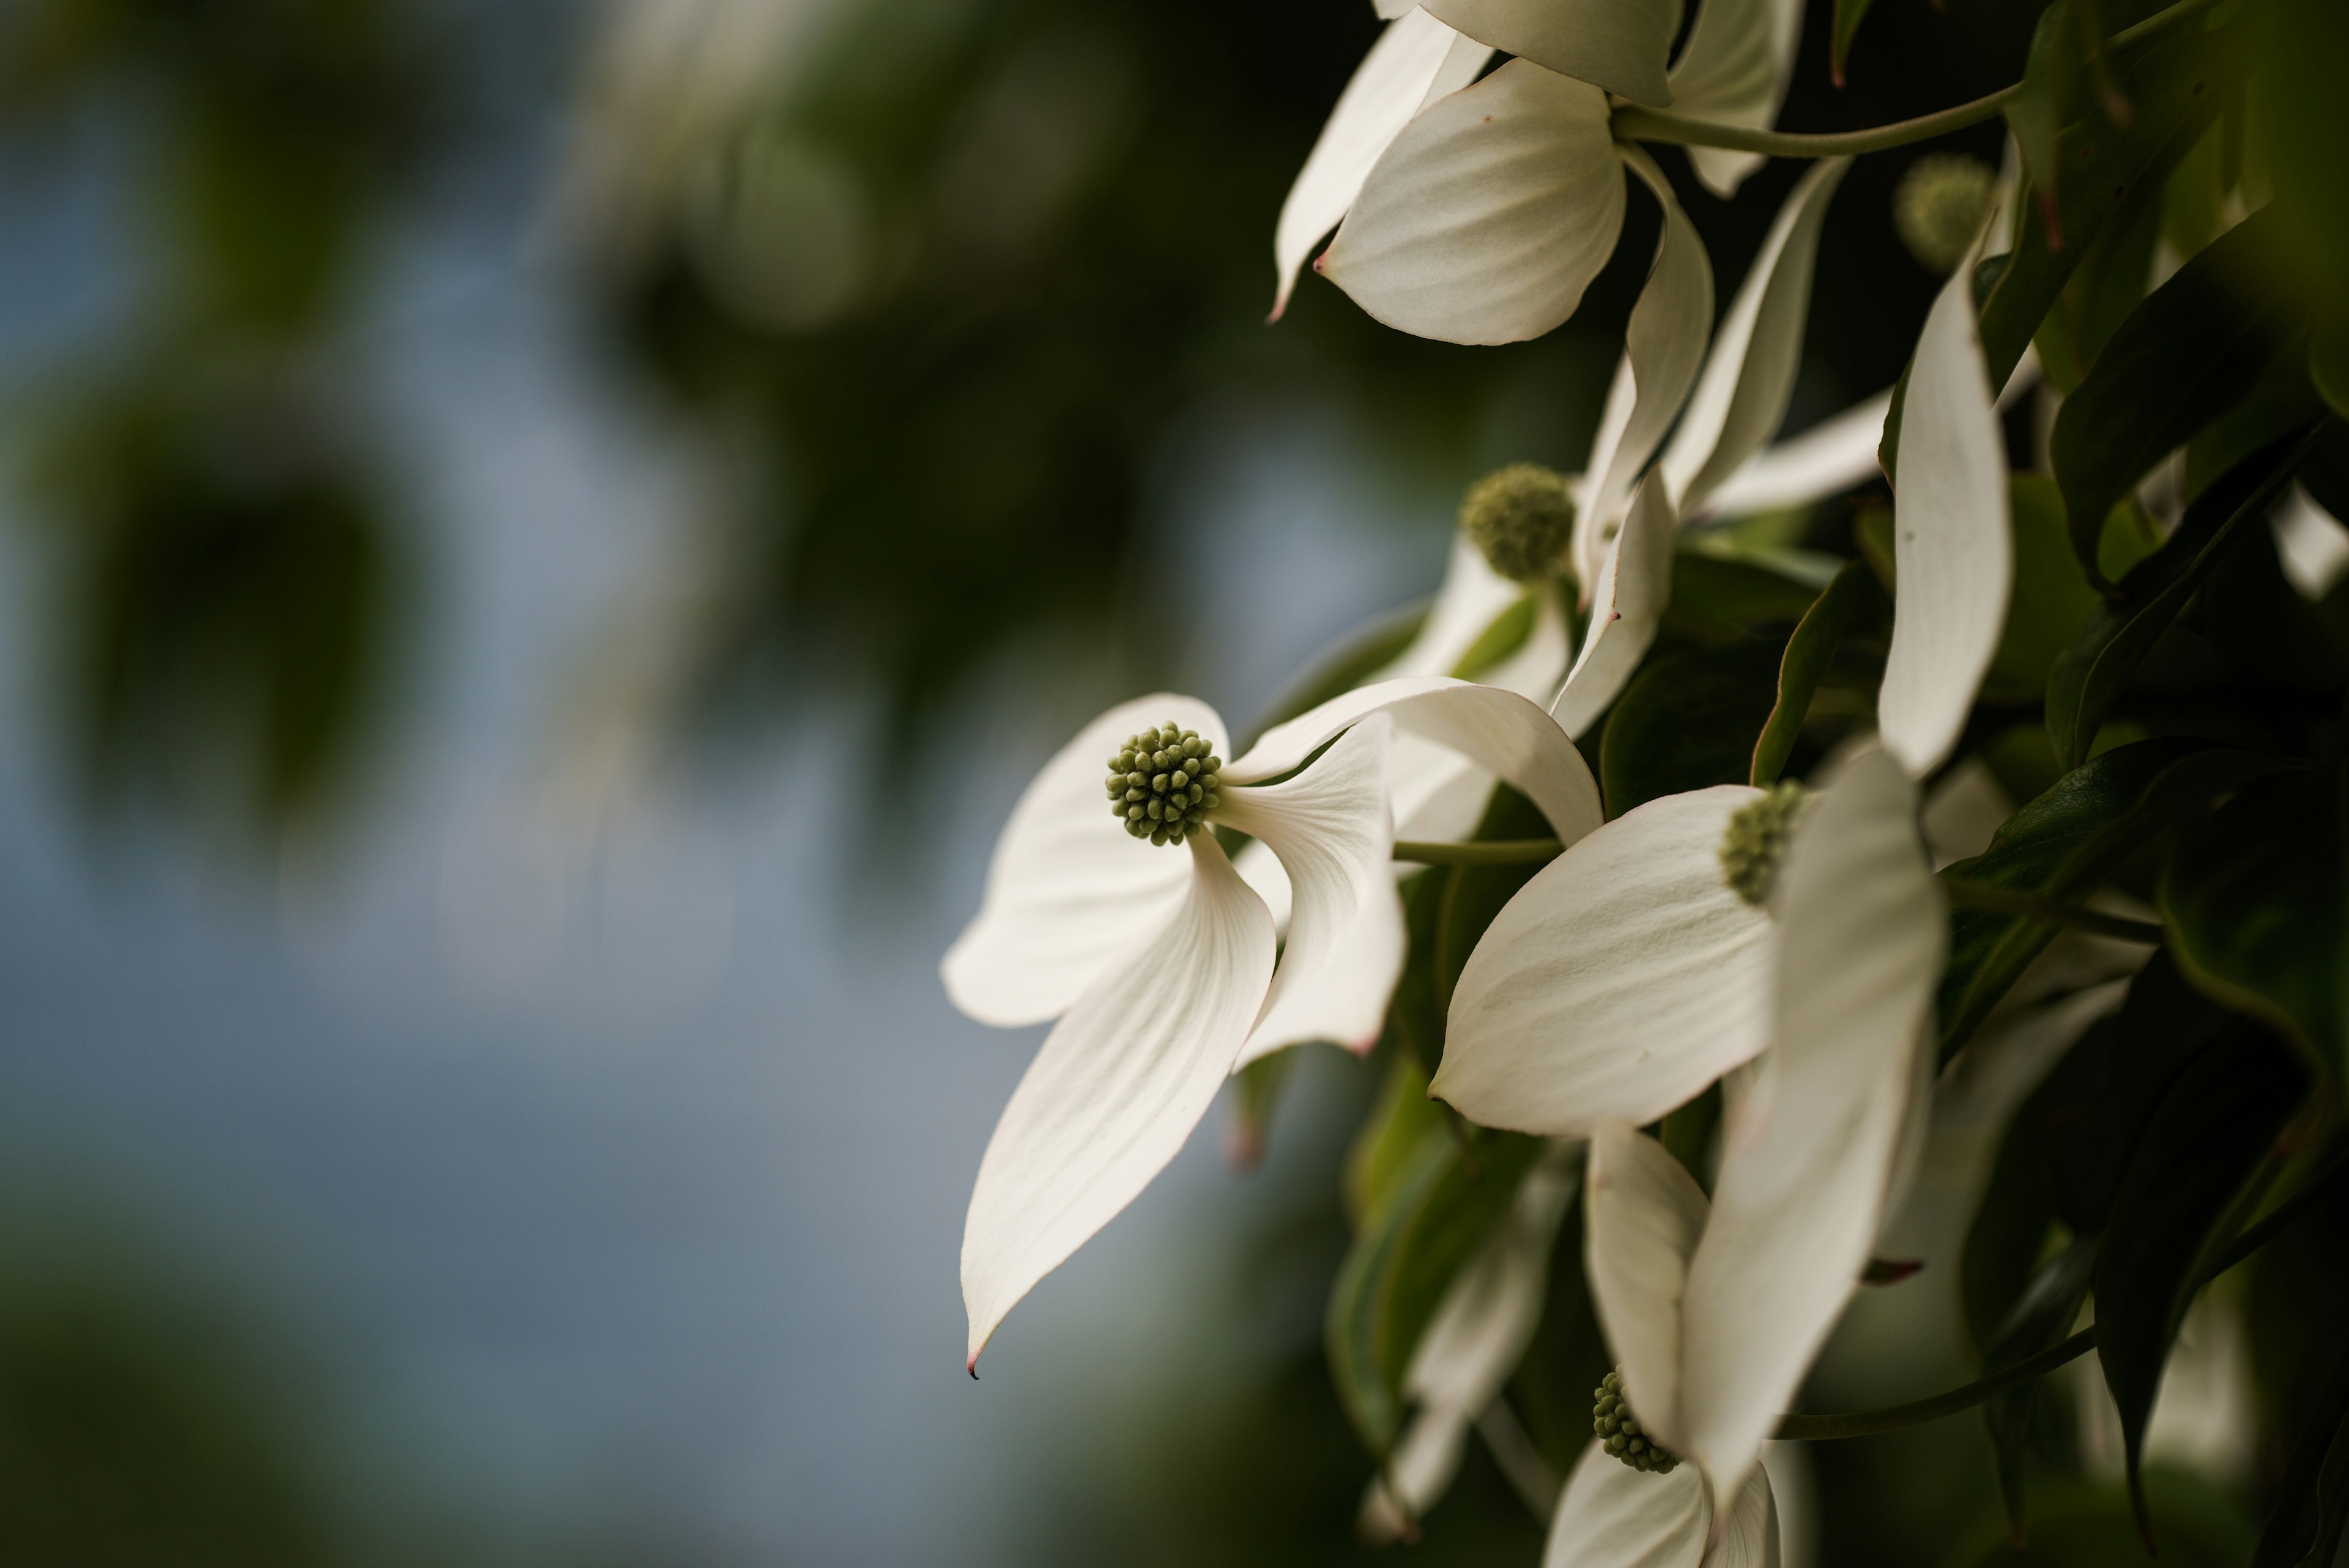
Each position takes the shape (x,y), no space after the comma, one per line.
(1620,1432)
(1522,518)
(1939,206)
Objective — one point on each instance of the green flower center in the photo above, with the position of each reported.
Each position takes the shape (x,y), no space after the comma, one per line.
(1162,783)
(1522,519)
(1937,206)
(1621,1434)
(1756,841)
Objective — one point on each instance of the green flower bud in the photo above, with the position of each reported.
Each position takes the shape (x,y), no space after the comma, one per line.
(1522,519)
(1756,841)
(1939,206)
(1621,1435)
(1170,800)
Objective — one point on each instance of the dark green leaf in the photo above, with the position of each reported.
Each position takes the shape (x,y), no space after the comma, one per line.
(2315,1489)
(2254,896)
(1720,601)
(2195,349)
(1689,720)
(2302,49)
(1848,14)
(2048,89)
(2199,1152)
(2041,1318)
(2281,402)
(2110,282)
(1473,895)
(1436,1208)
(1566,1357)
(1851,602)
(2060,845)
(2053,600)
(2260,627)
(1415,1013)
(2089,676)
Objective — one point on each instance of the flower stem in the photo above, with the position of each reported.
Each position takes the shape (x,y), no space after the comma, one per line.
(1991,899)
(1489,852)
(1652,125)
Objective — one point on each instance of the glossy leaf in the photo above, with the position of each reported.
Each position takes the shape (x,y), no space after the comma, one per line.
(2053,601)
(2042,1317)
(2202,1148)
(2195,348)
(1689,720)
(2255,897)
(1720,601)
(1852,603)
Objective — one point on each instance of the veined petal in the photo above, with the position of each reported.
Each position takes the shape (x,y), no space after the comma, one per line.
(1489,214)
(1613,1516)
(1117,1087)
(1066,887)
(1474,1343)
(1741,394)
(1807,1152)
(1643,1221)
(1751,1537)
(1635,584)
(1619,45)
(1952,548)
(1501,731)
(1663,350)
(1440,793)
(1618,983)
(1332,826)
(1733,70)
(1412,62)
(1831,457)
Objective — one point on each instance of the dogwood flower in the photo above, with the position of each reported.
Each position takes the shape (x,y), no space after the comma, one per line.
(1109,906)
(1480,213)
(1613,1516)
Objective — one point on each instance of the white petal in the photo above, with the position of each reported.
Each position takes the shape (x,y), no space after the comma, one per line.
(1067,887)
(1618,983)
(1389,10)
(1502,732)
(1490,213)
(1471,597)
(1733,70)
(1741,394)
(1663,350)
(1421,1468)
(1613,1516)
(1751,1538)
(1404,69)
(1952,553)
(1333,827)
(1643,1219)
(1116,1089)
(1807,1152)
(1260,868)
(1635,584)
(1537,664)
(1831,457)
(1619,45)
(2311,544)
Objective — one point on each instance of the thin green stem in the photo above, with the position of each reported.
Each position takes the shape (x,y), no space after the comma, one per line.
(1654,125)
(1488,852)
(1991,899)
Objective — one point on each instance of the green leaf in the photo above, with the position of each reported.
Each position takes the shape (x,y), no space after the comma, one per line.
(2061,844)
(2302,53)
(2195,349)
(1849,14)
(2260,627)
(1851,603)
(2048,89)
(2009,1232)
(1415,1013)
(1256,1089)
(2199,1155)
(1497,641)
(2282,401)
(2312,1499)
(1473,895)
(1400,1120)
(1438,1206)
(2053,601)
(1689,720)
(1566,1357)
(2088,677)
(2109,284)
(2042,1317)
(1722,602)
(2254,896)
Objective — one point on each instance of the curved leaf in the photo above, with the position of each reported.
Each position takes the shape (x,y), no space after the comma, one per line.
(1852,602)
(1689,720)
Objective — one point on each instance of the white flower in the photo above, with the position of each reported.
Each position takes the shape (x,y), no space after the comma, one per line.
(1613,1516)
(1158,960)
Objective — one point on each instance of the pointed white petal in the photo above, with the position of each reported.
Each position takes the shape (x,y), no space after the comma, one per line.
(1635,584)
(1614,421)
(2311,544)
(1402,71)
(1333,827)
(1472,597)
(1831,457)
(1613,1516)
(1116,1088)
(1643,1219)
(1489,214)
(1066,887)
(1751,1538)
(1618,983)
(1741,394)
(1663,348)
(1733,70)
(1619,45)
(1260,868)
(1500,731)
(1952,552)
(1421,1469)
(1807,1152)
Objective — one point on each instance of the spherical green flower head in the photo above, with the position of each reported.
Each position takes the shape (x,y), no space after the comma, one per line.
(1939,206)
(1162,783)
(1620,1432)
(1756,841)
(1522,518)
